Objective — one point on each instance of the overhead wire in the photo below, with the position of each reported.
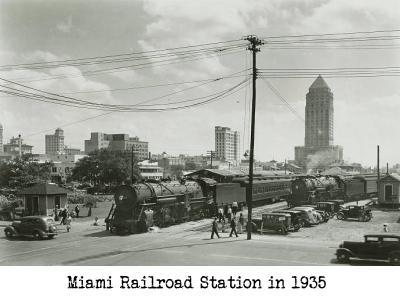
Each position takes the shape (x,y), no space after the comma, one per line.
(73,102)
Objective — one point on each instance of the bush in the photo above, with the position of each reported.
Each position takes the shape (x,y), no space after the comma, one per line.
(77,198)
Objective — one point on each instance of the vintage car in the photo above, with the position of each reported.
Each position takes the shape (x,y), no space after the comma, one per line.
(309,215)
(380,246)
(359,212)
(277,222)
(324,216)
(295,217)
(338,204)
(36,226)
(327,206)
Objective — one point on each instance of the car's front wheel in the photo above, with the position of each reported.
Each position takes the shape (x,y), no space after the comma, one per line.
(36,235)
(395,259)
(9,234)
(343,257)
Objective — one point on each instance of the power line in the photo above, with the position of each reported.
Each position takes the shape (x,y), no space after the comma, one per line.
(72,102)
(140,54)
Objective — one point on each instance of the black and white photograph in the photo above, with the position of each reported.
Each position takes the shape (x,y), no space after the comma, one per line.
(218,147)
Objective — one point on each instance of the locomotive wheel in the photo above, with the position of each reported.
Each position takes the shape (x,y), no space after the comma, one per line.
(361,218)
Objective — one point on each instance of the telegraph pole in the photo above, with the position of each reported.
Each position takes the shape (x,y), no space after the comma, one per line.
(254,42)
(211,155)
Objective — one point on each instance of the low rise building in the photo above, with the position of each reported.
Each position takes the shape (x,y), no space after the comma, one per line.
(150,170)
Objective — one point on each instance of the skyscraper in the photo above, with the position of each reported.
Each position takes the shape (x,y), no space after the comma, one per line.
(227,144)
(319,150)
(319,115)
(55,142)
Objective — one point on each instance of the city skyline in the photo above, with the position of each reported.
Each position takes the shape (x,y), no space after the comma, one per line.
(128,66)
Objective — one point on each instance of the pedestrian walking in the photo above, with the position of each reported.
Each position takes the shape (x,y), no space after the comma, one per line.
(221,214)
(55,212)
(241,223)
(77,211)
(229,213)
(214,228)
(226,206)
(233,226)
(234,208)
(68,223)
(64,215)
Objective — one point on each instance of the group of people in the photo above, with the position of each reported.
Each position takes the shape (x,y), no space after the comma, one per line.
(239,224)
(227,211)
(66,216)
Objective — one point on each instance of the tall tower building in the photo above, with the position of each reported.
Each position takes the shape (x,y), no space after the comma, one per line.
(55,142)
(1,139)
(318,151)
(319,115)
(227,144)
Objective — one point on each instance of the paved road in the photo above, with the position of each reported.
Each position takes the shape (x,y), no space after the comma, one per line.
(93,246)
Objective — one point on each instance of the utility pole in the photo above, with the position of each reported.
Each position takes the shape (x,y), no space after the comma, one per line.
(132,166)
(254,42)
(379,173)
(211,155)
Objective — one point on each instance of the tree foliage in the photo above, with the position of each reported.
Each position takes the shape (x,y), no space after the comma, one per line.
(104,166)
(22,171)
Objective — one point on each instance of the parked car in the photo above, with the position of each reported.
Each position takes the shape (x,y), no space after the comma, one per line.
(280,223)
(359,212)
(381,246)
(327,206)
(36,226)
(323,215)
(295,217)
(338,204)
(309,215)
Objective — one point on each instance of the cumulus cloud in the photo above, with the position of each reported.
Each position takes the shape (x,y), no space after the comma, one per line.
(128,76)
(186,23)
(65,26)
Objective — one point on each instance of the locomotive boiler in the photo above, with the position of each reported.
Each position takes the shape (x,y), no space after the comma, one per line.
(308,189)
(137,207)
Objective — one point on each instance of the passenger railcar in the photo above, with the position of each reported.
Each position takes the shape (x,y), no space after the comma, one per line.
(267,189)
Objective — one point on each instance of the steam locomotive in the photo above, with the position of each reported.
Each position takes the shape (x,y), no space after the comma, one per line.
(307,189)
(140,206)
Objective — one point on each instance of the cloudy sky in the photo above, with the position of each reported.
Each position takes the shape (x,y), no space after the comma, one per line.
(170,71)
